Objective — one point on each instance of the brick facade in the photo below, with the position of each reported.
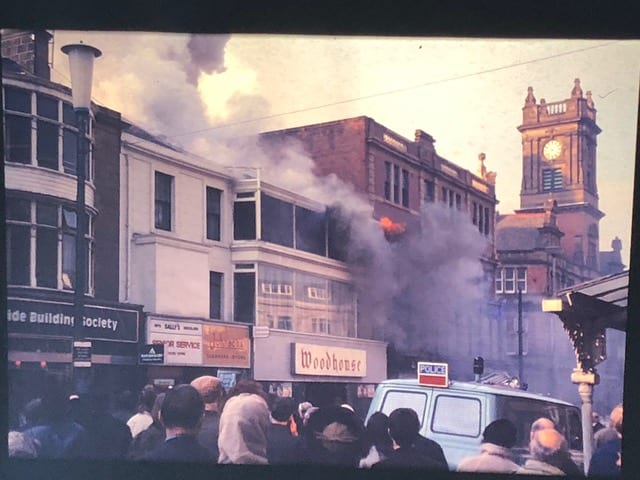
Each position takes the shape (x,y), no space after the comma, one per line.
(29,49)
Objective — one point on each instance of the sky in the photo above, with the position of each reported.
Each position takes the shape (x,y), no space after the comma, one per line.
(198,90)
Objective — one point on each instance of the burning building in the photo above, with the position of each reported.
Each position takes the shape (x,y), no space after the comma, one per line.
(425,205)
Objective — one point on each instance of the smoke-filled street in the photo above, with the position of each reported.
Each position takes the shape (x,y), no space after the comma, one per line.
(302,250)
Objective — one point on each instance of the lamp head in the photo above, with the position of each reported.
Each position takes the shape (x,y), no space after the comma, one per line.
(81,58)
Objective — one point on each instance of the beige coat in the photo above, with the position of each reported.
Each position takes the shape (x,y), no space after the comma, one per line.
(492,458)
(537,467)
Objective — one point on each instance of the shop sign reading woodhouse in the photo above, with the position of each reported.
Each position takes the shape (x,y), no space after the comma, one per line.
(324,360)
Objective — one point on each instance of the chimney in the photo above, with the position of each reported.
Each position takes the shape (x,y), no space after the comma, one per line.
(29,49)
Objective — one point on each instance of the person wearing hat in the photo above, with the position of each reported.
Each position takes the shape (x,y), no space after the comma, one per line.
(334,436)
(212,392)
(495,451)
(606,459)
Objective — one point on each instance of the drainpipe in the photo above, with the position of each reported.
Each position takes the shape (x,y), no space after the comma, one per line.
(127,242)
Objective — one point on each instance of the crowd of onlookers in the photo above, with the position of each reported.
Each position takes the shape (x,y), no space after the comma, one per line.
(200,422)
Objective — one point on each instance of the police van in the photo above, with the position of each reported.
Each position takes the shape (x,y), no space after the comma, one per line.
(455,414)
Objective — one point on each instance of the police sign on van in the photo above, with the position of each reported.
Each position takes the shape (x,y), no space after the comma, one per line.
(433,374)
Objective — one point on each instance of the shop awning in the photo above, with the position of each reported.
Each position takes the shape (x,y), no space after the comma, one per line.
(603,301)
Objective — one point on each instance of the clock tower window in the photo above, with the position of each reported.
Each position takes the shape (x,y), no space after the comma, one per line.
(552,179)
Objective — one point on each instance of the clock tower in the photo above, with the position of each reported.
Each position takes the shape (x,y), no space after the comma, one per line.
(559,164)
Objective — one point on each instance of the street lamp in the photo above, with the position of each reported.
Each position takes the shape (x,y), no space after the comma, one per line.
(81,59)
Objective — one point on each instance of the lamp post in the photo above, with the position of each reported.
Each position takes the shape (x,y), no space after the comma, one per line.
(81,59)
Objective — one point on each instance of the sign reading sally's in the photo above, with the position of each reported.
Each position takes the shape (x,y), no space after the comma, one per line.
(328,361)
(58,318)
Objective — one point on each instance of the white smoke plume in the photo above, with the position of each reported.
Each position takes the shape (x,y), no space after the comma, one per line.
(413,290)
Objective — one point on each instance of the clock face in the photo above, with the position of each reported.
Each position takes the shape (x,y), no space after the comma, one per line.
(552,150)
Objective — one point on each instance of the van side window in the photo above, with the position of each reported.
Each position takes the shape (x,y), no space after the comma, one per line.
(414,400)
(524,411)
(456,416)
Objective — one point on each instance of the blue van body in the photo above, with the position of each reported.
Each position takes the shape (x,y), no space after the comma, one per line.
(455,416)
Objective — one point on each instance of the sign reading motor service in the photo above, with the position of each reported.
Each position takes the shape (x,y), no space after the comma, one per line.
(182,340)
(322,360)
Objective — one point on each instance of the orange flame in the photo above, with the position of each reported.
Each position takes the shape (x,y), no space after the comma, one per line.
(390,227)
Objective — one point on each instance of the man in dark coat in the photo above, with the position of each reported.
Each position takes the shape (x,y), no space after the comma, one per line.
(606,459)
(150,438)
(106,436)
(411,450)
(282,446)
(181,414)
(57,436)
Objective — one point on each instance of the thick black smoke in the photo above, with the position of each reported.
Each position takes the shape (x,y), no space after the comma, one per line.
(206,55)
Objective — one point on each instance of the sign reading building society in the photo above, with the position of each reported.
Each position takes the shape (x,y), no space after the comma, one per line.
(57,318)
(328,361)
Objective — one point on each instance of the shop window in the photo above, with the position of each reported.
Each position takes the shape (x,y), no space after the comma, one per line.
(244,293)
(17,139)
(244,220)
(276,221)
(163,193)
(213,213)
(458,201)
(474,214)
(215,295)
(310,231)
